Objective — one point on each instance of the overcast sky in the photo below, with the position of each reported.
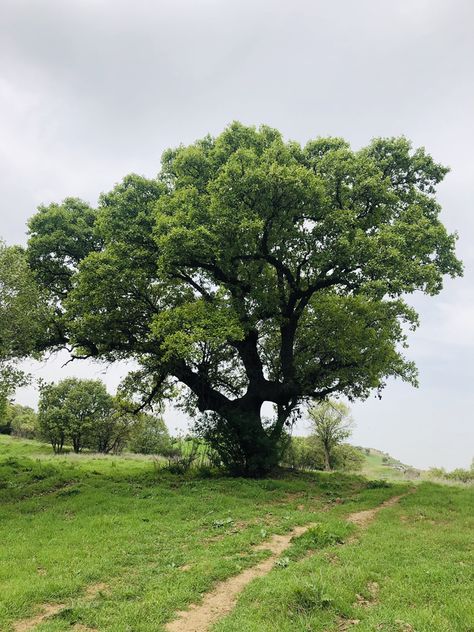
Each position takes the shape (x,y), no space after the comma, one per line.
(91,90)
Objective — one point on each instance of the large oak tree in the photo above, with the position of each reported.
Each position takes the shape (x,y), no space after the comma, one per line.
(250,270)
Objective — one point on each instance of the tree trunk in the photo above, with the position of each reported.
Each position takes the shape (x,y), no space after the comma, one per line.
(245,447)
(76,444)
(327,458)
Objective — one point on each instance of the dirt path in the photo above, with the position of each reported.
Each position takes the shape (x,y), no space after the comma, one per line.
(222,600)
(364,518)
(50,609)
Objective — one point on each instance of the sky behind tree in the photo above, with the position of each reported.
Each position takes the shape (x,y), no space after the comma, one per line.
(91,90)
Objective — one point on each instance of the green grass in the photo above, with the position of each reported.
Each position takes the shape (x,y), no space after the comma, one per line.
(375,467)
(159,541)
(419,553)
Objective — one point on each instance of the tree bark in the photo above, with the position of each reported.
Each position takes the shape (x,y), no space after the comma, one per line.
(254,450)
(327,458)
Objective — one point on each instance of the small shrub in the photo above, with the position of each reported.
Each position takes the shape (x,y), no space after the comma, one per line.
(378,484)
(308,596)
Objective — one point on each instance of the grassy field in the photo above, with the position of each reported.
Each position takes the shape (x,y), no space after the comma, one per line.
(153,543)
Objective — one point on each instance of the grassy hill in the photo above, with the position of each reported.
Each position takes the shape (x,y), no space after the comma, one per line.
(381,465)
(113,543)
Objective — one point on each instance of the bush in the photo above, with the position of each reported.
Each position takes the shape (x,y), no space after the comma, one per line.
(22,421)
(225,446)
(5,424)
(304,453)
(348,458)
(461,475)
(307,453)
(111,432)
(458,475)
(149,435)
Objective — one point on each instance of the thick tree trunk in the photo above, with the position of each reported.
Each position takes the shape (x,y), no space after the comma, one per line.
(234,427)
(257,451)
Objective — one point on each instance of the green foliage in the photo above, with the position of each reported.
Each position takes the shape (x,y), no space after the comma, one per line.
(251,270)
(458,475)
(331,425)
(74,410)
(21,421)
(184,454)
(64,235)
(304,453)
(5,427)
(322,535)
(230,446)
(150,436)
(378,484)
(347,457)
(112,428)
(24,318)
(307,453)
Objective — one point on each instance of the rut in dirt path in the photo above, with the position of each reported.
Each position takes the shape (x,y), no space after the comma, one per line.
(363,518)
(222,600)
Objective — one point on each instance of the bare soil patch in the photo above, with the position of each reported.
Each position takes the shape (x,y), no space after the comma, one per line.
(94,589)
(364,518)
(50,609)
(344,625)
(373,590)
(47,610)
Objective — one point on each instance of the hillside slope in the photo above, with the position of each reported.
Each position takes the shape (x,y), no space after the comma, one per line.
(113,544)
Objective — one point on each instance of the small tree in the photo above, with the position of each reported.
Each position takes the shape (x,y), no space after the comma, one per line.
(307,453)
(348,458)
(53,423)
(112,430)
(150,436)
(22,421)
(71,410)
(331,424)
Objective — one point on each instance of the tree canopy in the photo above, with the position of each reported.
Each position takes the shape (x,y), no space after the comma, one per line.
(331,424)
(250,270)
(74,410)
(24,318)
